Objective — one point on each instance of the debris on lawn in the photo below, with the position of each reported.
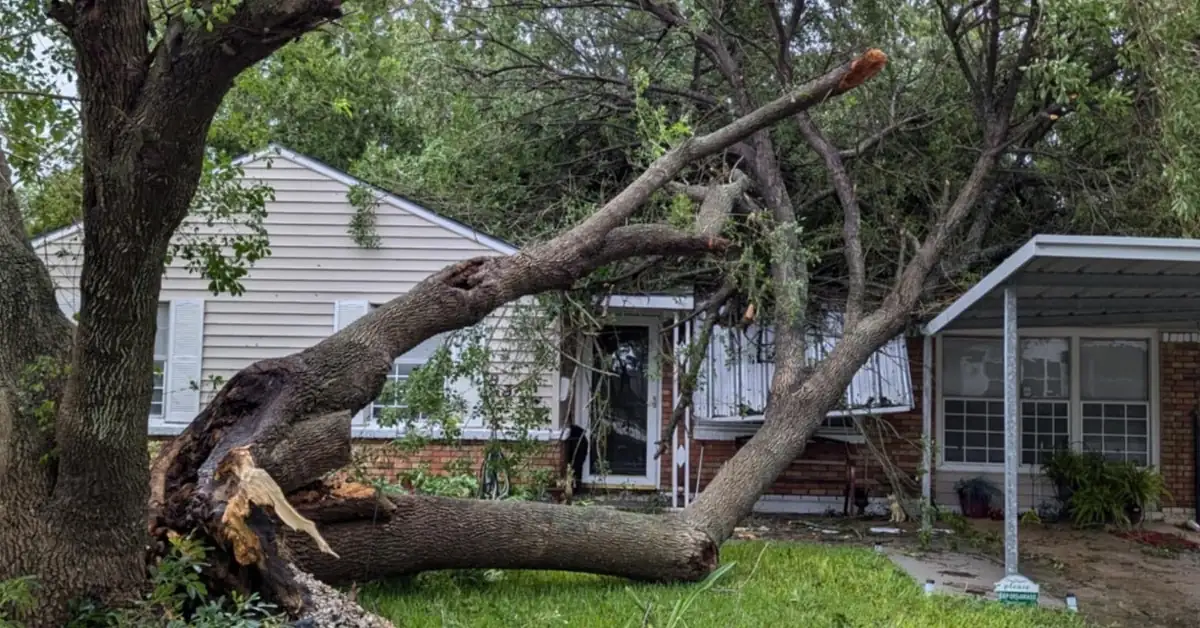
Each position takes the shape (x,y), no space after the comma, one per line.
(818,528)
(1160,540)
(745,534)
(886,530)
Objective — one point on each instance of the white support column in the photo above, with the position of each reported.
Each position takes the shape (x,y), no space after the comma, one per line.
(687,426)
(677,363)
(927,431)
(1012,440)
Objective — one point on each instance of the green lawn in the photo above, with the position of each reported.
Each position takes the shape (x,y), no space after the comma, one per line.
(772,584)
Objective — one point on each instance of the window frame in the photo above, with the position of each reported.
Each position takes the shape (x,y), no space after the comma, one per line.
(1075,425)
(165,358)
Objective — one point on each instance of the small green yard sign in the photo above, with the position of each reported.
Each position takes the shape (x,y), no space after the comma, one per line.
(1017,590)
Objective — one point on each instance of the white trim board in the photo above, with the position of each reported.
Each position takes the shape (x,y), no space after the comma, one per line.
(666,302)
(391,433)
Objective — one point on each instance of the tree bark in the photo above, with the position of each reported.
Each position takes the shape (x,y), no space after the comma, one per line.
(430,533)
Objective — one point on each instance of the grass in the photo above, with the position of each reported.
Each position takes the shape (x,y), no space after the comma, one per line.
(772,584)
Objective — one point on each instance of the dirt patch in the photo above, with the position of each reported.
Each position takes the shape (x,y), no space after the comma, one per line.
(1147,578)
(1119,579)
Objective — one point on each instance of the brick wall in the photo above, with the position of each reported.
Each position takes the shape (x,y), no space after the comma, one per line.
(381,459)
(1179,392)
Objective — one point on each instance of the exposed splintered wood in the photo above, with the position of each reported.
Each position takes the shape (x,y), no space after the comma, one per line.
(251,486)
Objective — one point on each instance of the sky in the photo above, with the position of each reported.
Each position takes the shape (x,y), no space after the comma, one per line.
(64,85)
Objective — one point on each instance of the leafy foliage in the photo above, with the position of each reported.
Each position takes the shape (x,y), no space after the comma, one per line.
(17,599)
(178,598)
(37,124)
(1166,47)
(1096,491)
(224,234)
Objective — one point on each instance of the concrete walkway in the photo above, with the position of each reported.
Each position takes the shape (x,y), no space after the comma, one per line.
(959,574)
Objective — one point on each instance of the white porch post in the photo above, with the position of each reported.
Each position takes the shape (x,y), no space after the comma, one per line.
(927,431)
(678,362)
(687,426)
(1012,441)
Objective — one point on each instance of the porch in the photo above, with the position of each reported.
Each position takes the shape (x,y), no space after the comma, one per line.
(1086,342)
(626,399)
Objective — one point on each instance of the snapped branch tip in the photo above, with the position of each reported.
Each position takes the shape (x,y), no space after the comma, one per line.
(863,69)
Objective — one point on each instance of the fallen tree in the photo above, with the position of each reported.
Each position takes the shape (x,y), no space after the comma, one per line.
(289,417)
(261,452)
(73,504)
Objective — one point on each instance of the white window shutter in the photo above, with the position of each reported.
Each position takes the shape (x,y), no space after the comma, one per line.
(183,361)
(344,313)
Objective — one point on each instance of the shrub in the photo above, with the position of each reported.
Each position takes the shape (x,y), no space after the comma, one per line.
(1096,491)
(178,598)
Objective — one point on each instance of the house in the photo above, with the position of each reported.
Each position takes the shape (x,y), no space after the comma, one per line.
(317,280)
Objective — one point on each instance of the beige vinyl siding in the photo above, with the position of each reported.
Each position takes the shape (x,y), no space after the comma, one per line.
(290,296)
(513,357)
(1032,489)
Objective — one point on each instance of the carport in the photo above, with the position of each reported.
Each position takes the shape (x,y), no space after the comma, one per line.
(1065,281)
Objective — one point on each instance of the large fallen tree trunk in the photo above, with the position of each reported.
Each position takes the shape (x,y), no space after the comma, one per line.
(266,445)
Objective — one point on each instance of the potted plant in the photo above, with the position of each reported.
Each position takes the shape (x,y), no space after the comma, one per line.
(975,496)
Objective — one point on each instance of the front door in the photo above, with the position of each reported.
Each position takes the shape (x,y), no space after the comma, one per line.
(622,406)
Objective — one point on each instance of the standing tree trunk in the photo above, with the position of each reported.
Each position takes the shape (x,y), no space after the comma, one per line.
(74,401)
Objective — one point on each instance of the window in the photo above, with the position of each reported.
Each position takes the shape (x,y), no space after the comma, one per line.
(973,400)
(1108,401)
(736,377)
(161,343)
(1045,397)
(1114,377)
(402,367)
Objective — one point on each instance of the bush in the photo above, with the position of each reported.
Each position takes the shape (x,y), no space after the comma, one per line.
(178,598)
(16,600)
(1096,491)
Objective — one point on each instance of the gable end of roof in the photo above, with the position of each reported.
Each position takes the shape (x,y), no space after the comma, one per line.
(383,196)
(403,204)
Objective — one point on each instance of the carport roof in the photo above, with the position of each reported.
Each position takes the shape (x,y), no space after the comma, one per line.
(1085,281)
